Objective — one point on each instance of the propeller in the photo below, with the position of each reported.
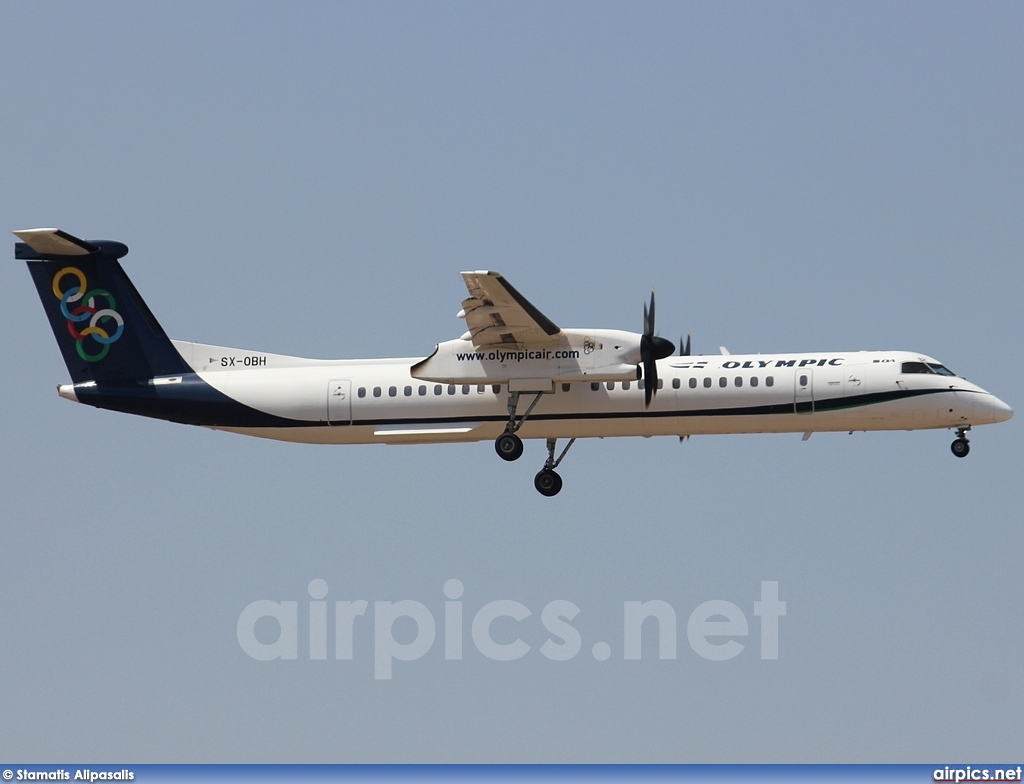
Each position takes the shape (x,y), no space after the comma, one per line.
(652,348)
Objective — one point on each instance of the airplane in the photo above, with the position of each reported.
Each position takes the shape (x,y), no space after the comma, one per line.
(513,375)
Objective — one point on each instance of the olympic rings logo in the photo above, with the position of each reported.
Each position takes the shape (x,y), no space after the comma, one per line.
(78,305)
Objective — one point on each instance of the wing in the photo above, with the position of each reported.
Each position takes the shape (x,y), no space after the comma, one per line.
(497,314)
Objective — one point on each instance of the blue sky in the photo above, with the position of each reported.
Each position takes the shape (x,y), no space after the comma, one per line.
(310,179)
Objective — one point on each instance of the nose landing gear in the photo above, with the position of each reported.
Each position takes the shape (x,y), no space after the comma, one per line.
(961,447)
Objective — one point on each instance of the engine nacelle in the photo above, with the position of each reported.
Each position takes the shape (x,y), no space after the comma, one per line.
(572,356)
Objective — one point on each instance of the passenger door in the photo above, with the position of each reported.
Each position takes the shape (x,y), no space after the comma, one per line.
(803,391)
(339,401)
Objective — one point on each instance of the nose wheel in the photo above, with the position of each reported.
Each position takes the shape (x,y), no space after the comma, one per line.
(961,447)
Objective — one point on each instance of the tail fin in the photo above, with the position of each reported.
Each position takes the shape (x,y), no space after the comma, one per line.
(105,330)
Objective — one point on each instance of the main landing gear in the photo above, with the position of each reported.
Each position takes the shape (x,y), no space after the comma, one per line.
(961,447)
(547,481)
(509,447)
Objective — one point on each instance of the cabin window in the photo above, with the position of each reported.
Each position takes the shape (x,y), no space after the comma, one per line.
(770,381)
(661,383)
(676,383)
(693,383)
(465,389)
(707,383)
(625,385)
(640,384)
(595,385)
(376,391)
(609,385)
(480,389)
(739,381)
(437,389)
(451,389)
(723,382)
(496,389)
(753,381)
(565,387)
(361,392)
(408,391)
(803,381)
(422,390)
(392,391)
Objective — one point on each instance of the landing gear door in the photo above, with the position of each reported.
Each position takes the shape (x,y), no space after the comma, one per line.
(339,402)
(803,395)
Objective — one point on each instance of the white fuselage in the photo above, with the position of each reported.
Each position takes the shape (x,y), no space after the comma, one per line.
(379,401)
(514,374)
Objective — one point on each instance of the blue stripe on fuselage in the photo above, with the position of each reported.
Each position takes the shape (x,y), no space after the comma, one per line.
(192,401)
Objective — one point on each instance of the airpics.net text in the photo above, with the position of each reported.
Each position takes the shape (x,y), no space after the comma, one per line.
(268,630)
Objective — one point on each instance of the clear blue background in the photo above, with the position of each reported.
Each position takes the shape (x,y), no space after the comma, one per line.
(310,179)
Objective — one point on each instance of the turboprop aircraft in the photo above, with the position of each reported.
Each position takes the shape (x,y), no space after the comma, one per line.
(514,374)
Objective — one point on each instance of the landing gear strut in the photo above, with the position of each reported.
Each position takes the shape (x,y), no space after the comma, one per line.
(961,447)
(508,445)
(547,481)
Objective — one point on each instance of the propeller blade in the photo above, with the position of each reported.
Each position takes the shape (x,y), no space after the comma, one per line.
(652,348)
(684,349)
(650,380)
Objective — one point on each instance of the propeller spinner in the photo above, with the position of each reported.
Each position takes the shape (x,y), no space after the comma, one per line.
(652,348)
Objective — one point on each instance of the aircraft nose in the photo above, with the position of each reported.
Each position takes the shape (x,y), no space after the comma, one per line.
(998,410)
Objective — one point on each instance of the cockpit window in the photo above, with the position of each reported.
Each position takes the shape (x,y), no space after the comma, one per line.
(915,367)
(927,367)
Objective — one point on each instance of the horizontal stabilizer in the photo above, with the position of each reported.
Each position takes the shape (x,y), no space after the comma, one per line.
(40,244)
